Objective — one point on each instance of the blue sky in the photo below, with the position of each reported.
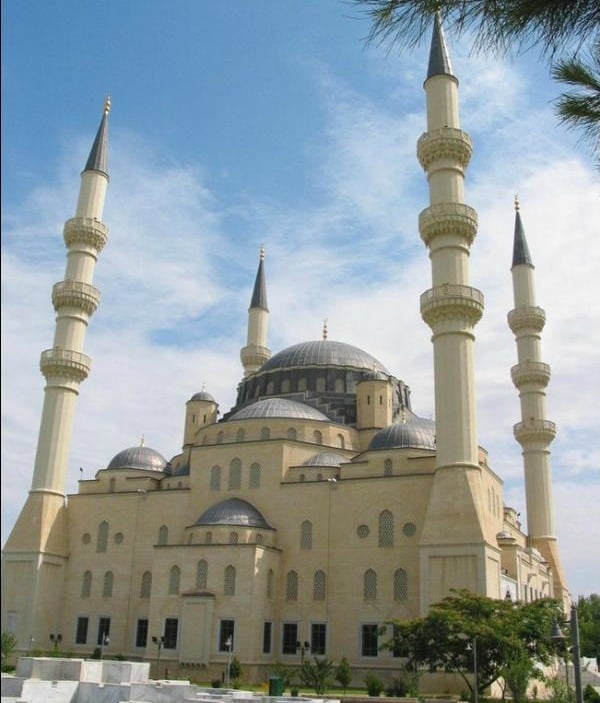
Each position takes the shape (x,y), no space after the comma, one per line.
(242,123)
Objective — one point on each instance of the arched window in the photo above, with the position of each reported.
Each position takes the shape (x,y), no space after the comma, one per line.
(233,538)
(229,583)
(208,537)
(400,584)
(86,584)
(215,478)
(301,384)
(202,574)
(291,586)
(317,437)
(174,578)
(285,386)
(102,541)
(386,529)
(321,385)
(265,433)
(239,437)
(341,442)
(370,585)
(319,585)
(339,385)
(146,587)
(107,587)
(306,535)
(291,433)
(220,437)
(270,387)
(163,535)
(111,485)
(254,481)
(387,468)
(235,475)
(270,577)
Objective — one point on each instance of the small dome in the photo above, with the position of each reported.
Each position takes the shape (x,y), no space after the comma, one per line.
(279,407)
(203,395)
(326,459)
(233,511)
(415,432)
(140,458)
(324,352)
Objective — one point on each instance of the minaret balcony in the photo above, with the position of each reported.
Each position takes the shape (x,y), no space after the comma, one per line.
(65,363)
(75,294)
(534,431)
(530,372)
(86,231)
(526,318)
(452,302)
(445,144)
(443,219)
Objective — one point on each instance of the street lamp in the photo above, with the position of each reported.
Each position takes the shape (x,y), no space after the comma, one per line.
(557,634)
(303,647)
(229,645)
(159,642)
(105,641)
(55,639)
(473,646)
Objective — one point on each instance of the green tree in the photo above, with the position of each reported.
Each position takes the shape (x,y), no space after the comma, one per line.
(501,630)
(235,671)
(8,646)
(343,673)
(517,673)
(554,27)
(588,612)
(318,675)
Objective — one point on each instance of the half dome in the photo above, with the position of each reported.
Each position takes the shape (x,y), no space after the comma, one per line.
(326,459)
(233,511)
(279,407)
(140,458)
(324,352)
(415,433)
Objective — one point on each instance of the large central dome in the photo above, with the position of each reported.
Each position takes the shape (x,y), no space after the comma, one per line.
(323,353)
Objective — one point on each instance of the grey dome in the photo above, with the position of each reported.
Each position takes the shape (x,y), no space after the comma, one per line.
(326,459)
(279,407)
(323,353)
(415,432)
(233,511)
(141,458)
(203,395)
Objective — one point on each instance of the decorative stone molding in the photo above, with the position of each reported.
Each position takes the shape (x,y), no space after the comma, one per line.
(531,431)
(254,356)
(65,363)
(454,302)
(87,231)
(526,318)
(535,372)
(456,219)
(75,294)
(445,143)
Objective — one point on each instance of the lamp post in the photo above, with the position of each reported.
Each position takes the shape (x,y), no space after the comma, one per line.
(303,647)
(55,639)
(105,641)
(557,634)
(473,646)
(229,645)
(159,642)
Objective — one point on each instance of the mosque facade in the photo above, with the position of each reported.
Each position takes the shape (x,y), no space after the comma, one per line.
(318,508)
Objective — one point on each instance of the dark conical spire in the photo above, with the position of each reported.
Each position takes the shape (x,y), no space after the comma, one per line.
(259,294)
(98,158)
(439,60)
(521,253)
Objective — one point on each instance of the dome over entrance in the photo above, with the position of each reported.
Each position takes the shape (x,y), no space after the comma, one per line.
(141,458)
(233,511)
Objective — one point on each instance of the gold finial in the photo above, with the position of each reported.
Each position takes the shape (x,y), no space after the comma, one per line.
(142,441)
(517,202)
(107,105)
(325,328)
(262,252)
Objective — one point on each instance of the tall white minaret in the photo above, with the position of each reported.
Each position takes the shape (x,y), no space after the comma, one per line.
(35,554)
(535,432)
(255,353)
(458,544)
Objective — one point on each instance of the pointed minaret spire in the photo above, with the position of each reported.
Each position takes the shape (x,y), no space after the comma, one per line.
(535,432)
(98,158)
(325,333)
(255,353)
(439,59)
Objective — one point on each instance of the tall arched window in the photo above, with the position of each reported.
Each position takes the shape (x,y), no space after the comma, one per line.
(202,574)
(291,586)
(285,385)
(215,478)
(254,481)
(387,468)
(111,485)
(229,582)
(306,535)
(235,475)
(265,433)
(370,585)
(233,538)
(292,433)
(102,541)
(220,437)
(240,434)
(174,579)
(163,535)
(341,442)
(386,529)
(146,586)
(400,584)
(86,584)
(318,437)
(107,587)
(270,577)
(319,585)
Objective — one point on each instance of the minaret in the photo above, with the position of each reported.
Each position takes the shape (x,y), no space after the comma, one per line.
(36,551)
(255,353)
(534,433)
(457,539)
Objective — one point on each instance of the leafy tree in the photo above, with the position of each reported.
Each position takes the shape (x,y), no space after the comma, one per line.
(588,612)
(552,26)
(235,670)
(517,674)
(343,673)
(318,675)
(8,646)
(284,672)
(501,630)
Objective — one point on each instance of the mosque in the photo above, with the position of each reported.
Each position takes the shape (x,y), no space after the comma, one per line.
(315,510)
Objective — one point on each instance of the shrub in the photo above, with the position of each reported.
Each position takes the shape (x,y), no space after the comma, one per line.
(343,673)
(590,695)
(374,685)
(216,683)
